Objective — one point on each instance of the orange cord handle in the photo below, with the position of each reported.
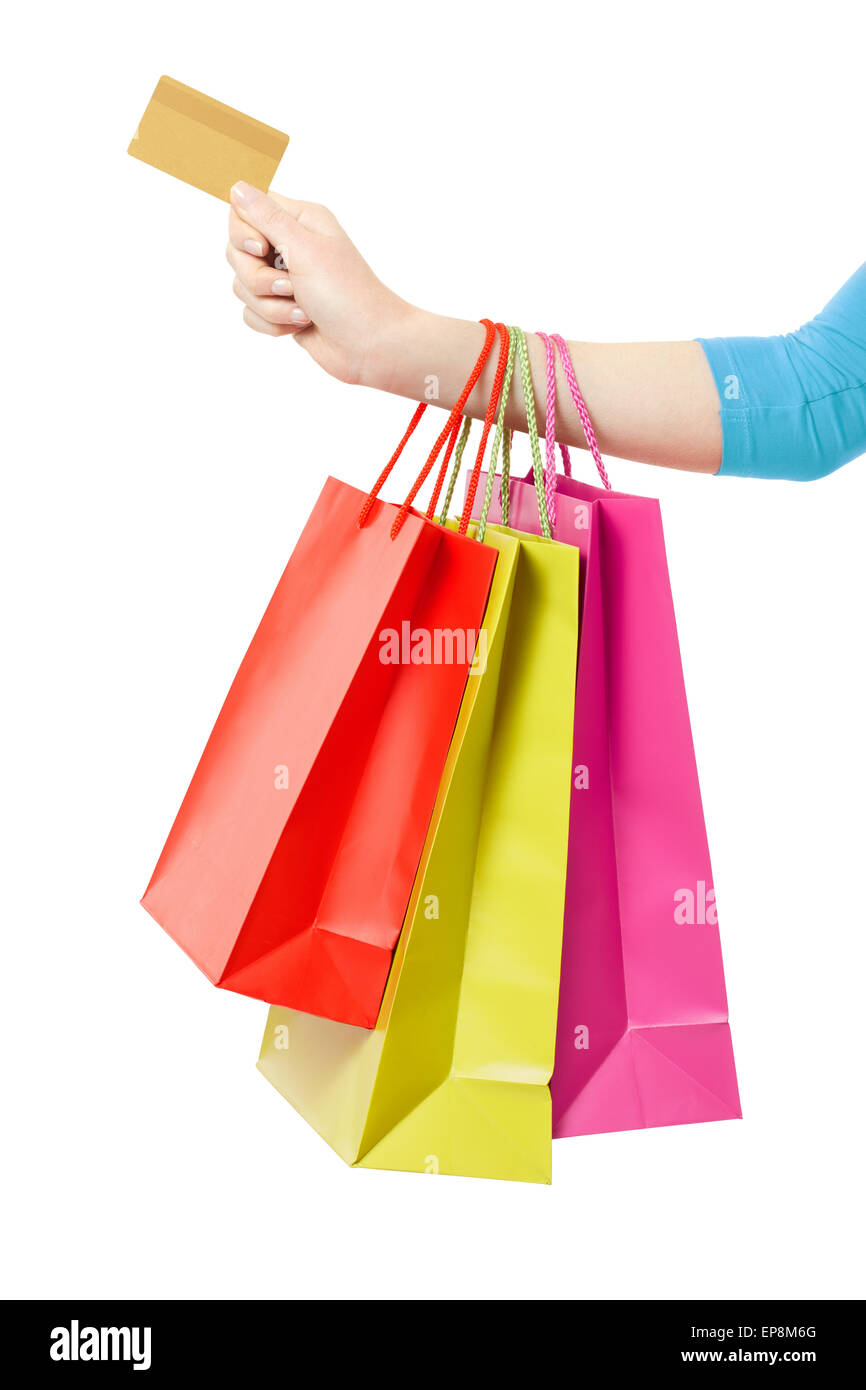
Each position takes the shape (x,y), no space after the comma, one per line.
(504,340)
(454,417)
(452,439)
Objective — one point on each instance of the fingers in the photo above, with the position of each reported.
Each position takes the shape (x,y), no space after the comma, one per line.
(259,224)
(274,228)
(245,238)
(279,312)
(260,325)
(276,222)
(261,279)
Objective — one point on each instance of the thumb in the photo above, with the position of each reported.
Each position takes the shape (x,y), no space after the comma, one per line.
(278,221)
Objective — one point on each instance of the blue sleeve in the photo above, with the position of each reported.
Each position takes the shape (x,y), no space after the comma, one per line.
(794,406)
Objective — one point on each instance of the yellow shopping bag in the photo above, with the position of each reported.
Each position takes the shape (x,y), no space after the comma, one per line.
(454,1077)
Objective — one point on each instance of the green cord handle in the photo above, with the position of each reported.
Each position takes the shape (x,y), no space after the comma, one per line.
(505,485)
(458,461)
(532,427)
(502,437)
(497,442)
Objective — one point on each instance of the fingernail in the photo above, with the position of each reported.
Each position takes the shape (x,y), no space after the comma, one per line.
(282,287)
(298,316)
(255,248)
(244,194)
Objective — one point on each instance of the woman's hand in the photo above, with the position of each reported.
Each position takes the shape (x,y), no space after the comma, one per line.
(327,297)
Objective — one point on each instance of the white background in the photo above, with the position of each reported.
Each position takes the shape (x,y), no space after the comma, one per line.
(611,171)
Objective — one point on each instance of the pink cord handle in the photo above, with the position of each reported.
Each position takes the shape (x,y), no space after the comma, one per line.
(550,430)
(579,403)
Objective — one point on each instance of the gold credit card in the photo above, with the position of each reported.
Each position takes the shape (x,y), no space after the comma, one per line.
(209,145)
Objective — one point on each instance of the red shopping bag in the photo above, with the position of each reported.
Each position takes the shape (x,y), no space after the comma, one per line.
(290,864)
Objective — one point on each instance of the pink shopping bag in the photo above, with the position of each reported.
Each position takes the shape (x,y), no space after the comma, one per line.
(642,1033)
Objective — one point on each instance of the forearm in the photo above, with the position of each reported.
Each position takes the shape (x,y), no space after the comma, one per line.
(653,402)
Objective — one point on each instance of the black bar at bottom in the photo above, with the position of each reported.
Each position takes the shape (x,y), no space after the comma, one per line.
(551,1341)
